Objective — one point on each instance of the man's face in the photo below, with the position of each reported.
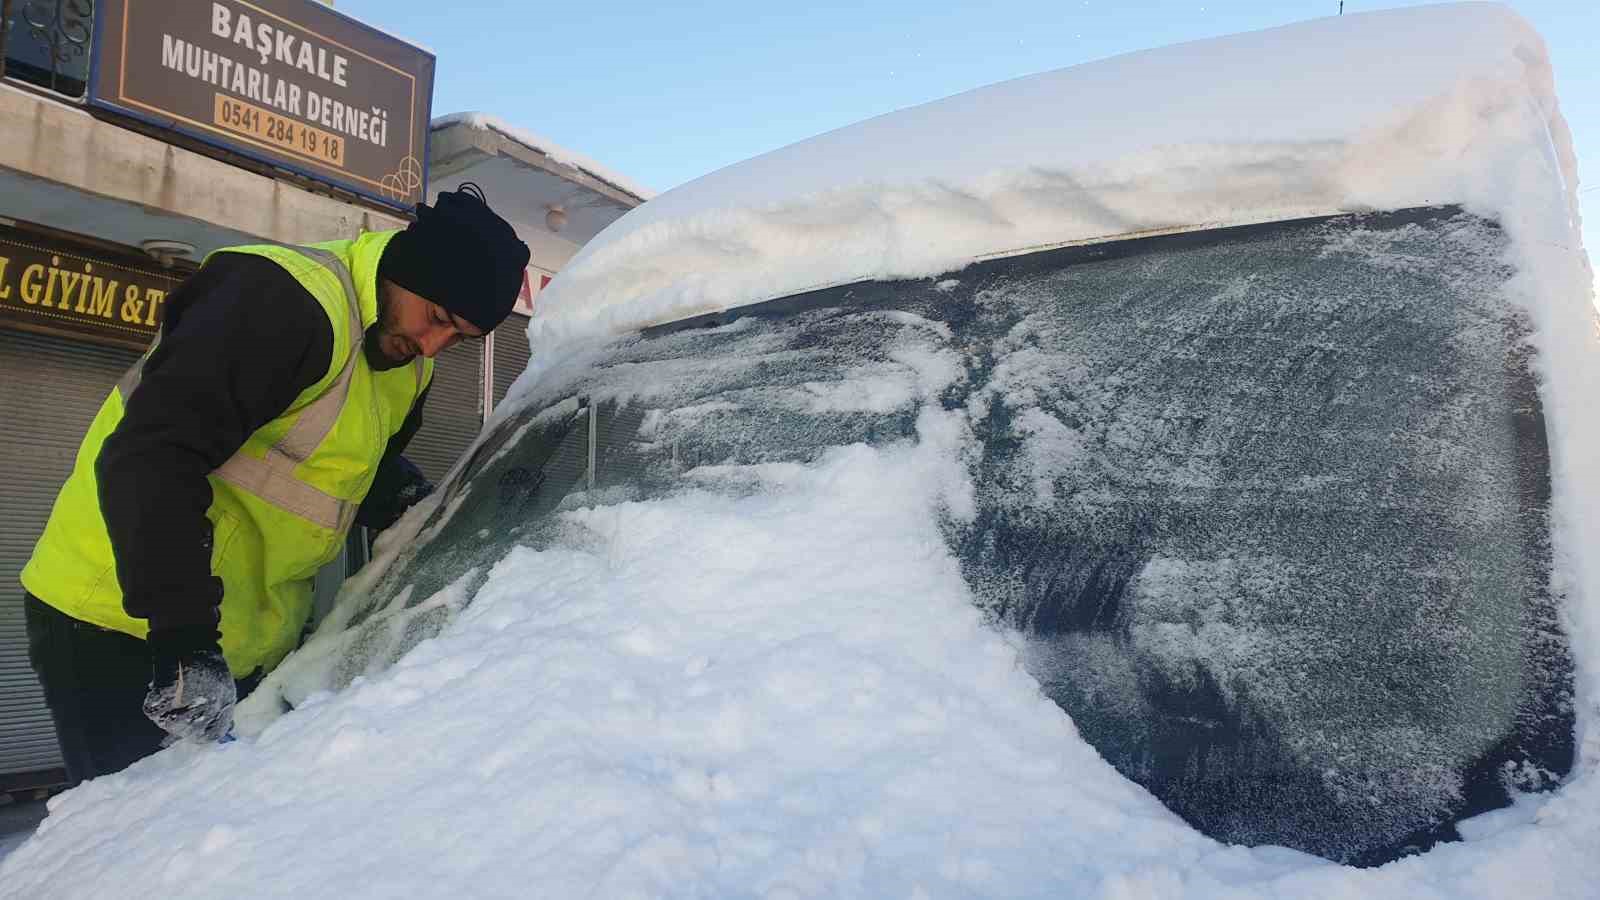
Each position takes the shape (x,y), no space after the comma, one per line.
(408,326)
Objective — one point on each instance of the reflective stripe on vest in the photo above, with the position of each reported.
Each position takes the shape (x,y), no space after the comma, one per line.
(272,477)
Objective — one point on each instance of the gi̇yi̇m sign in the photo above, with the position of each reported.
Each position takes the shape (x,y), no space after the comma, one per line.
(288,82)
(51,286)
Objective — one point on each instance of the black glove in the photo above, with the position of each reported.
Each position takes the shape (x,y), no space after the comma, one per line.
(191,690)
(398,486)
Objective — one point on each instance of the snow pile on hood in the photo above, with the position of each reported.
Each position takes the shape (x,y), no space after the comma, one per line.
(667,711)
(1411,107)
(782,694)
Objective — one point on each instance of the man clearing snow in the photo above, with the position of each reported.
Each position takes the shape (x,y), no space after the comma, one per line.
(230,462)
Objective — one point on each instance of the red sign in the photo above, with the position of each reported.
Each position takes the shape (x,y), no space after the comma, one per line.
(532,283)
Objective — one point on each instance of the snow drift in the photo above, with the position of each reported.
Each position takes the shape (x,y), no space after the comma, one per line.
(1412,107)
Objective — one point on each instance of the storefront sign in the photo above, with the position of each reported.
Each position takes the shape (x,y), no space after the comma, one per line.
(289,82)
(65,289)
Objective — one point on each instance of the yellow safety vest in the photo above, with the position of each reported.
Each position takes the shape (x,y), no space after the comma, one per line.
(282,504)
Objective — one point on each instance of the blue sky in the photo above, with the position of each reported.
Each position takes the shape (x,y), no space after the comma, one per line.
(663,94)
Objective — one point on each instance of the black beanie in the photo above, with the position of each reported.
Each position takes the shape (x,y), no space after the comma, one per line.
(460,255)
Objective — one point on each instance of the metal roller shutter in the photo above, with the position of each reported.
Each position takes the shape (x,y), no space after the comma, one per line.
(453,415)
(50,389)
(510,354)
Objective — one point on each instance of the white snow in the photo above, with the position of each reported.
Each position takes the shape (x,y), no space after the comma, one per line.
(787,692)
(486,122)
(1386,110)
(10,842)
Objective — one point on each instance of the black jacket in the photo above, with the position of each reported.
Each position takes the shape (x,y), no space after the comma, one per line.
(241,339)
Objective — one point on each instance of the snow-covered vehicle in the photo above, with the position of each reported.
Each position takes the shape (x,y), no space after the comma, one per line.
(1002,497)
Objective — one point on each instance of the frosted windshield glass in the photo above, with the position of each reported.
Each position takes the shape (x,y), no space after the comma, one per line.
(1264,508)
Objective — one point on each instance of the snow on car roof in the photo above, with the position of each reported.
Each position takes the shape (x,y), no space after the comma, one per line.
(1382,110)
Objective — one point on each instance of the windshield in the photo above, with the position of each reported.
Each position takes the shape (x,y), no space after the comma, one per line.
(1264,509)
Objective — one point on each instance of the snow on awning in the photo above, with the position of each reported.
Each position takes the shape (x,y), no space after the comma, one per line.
(526,175)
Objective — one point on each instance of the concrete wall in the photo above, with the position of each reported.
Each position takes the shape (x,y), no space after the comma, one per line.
(62,167)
